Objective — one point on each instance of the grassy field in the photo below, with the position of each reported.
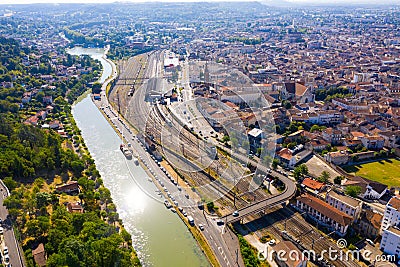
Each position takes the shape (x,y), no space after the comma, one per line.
(386,171)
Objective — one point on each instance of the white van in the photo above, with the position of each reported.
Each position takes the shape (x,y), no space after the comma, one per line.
(190,220)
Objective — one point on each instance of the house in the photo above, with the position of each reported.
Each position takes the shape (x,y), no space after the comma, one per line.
(332,136)
(238,97)
(248,118)
(39,255)
(318,144)
(324,214)
(352,143)
(74,208)
(369,224)
(41,114)
(369,189)
(26,97)
(49,109)
(69,188)
(285,260)
(290,158)
(373,142)
(255,136)
(33,120)
(55,124)
(298,92)
(391,216)
(329,117)
(337,157)
(312,185)
(346,204)
(391,138)
(343,127)
(286,157)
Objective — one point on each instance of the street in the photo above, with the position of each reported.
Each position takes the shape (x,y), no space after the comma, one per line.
(8,238)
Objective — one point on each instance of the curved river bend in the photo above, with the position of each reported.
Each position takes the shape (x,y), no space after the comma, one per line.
(159,236)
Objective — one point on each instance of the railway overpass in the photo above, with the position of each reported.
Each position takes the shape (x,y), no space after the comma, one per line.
(288,193)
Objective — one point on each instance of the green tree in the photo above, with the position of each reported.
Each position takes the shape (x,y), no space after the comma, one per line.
(324,177)
(10,183)
(314,128)
(210,206)
(96,88)
(353,190)
(300,171)
(338,180)
(275,163)
(225,139)
(42,199)
(286,104)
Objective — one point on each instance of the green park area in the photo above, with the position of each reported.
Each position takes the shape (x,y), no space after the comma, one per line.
(385,171)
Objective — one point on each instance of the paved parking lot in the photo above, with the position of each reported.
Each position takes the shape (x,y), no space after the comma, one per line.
(316,166)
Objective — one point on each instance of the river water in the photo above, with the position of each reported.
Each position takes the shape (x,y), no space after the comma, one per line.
(159,236)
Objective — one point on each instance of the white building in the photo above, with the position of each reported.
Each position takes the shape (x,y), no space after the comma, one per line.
(390,243)
(326,215)
(346,204)
(391,216)
(238,97)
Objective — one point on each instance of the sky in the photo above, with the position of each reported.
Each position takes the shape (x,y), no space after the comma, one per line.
(109,1)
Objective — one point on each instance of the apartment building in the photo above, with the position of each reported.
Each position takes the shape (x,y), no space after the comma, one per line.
(346,204)
(390,243)
(324,214)
(392,213)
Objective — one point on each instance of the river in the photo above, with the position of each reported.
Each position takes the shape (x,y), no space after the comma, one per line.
(159,236)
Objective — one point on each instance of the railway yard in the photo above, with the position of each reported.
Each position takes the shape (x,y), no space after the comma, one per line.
(224,177)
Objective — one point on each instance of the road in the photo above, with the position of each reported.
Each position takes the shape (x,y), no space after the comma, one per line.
(9,240)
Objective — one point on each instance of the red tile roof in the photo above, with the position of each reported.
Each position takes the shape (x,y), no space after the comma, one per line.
(310,183)
(325,209)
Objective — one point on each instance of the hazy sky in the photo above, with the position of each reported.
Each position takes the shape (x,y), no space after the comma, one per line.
(108,1)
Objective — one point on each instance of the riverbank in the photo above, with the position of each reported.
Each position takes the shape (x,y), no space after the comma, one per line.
(142,215)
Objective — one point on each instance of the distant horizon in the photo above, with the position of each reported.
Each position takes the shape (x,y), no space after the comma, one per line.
(308,2)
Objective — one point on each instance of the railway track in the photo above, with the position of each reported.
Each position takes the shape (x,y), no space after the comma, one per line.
(192,151)
(310,238)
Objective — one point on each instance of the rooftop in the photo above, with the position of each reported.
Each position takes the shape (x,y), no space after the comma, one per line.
(325,209)
(345,199)
(394,203)
(315,185)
